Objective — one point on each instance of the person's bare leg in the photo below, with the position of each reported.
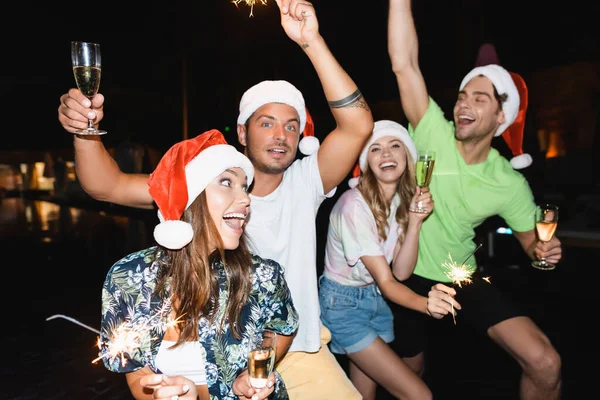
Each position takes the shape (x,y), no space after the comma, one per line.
(381,364)
(416,363)
(365,385)
(539,360)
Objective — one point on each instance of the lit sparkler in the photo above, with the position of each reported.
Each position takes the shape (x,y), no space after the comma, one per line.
(250,3)
(460,274)
(127,337)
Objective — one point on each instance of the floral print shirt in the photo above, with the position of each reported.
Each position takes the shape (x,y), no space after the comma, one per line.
(133,311)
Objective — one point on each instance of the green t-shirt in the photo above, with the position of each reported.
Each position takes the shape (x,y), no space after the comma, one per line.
(464,196)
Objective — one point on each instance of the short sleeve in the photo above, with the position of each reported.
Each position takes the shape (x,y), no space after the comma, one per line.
(113,324)
(276,299)
(358,232)
(310,176)
(126,313)
(520,211)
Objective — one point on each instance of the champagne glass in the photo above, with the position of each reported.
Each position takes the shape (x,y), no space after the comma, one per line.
(87,66)
(546,220)
(261,358)
(423,172)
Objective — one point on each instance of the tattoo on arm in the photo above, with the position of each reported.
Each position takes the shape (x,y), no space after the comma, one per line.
(305,45)
(354,100)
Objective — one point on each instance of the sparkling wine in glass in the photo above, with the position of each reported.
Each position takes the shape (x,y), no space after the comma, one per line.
(546,220)
(423,172)
(87,67)
(261,358)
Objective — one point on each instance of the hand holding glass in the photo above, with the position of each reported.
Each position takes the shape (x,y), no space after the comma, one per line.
(546,220)
(261,358)
(423,173)
(87,66)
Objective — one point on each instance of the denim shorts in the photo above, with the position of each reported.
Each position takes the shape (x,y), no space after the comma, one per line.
(356,316)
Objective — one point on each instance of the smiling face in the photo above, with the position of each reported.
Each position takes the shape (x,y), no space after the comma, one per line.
(477,113)
(271,139)
(229,204)
(387,158)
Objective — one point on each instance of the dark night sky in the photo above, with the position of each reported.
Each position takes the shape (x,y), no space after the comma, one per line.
(143,44)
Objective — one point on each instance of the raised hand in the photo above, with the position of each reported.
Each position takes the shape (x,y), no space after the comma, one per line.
(75,109)
(421,200)
(440,301)
(244,390)
(299,20)
(170,387)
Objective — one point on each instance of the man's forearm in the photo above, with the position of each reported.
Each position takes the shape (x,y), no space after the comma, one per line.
(340,90)
(403,45)
(96,170)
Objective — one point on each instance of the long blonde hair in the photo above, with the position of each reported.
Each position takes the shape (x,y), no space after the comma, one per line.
(194,283)
(371,191)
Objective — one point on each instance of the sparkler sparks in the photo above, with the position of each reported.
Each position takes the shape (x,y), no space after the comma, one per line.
(127,337)
(460,274)
(250,3)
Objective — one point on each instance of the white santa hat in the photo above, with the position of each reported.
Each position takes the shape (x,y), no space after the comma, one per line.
(280,92)
(182,174)
(382,128)
(514,107)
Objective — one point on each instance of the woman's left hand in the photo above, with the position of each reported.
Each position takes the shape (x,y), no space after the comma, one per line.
(170,387)
(243,389)
(421,199)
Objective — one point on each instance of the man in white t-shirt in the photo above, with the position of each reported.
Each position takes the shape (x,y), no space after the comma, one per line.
(286,194)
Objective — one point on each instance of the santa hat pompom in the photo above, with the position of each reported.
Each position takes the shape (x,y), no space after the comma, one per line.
(182,174)
(309,144)
(353,182)
(173,235)
(521,161)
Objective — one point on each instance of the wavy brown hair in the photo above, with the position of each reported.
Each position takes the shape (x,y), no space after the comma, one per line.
(193,272)
(373,195)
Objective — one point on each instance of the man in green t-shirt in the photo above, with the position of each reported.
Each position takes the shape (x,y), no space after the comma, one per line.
(471,182)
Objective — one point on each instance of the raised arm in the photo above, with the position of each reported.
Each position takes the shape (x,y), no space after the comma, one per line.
(97,172)
(354,121)
(403,49)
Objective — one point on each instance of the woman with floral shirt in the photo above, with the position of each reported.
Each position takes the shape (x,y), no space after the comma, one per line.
(178,318)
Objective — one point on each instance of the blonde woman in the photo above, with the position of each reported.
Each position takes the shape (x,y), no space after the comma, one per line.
(371,228)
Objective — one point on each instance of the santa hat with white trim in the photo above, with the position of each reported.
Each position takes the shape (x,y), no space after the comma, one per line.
(382,128)
(182,174)
(280,92)
(515,107)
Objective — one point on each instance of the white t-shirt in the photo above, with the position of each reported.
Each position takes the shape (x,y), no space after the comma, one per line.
(282,227)
(352,233)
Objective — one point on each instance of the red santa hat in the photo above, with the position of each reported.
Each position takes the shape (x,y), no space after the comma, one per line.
(513,86)
(382,128)
(182,174)
(280,92)
(513,135)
